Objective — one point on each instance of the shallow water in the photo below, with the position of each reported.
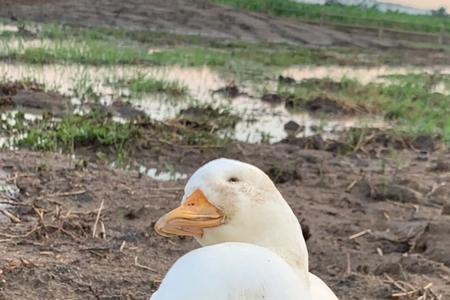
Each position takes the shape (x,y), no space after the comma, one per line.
(161,175)
(266,120)
(157,174)
(19,45)
(8,28)
(261,120)
(361,74)
(8,117)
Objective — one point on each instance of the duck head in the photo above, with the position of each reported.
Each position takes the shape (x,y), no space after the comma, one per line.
(231,201)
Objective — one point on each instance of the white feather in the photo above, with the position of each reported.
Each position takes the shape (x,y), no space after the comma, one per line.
(232,271)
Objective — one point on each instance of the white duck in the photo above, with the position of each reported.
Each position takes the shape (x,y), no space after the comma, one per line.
(232,271)
(231,201)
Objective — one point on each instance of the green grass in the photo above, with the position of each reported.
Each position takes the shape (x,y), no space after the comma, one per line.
(107,53)
(353,15)
(75,131)
(201,126)
(207,117)
(91,53)
(426,80)
(96,133)
(96,46)
(111,47)
(141,85)
(408,101)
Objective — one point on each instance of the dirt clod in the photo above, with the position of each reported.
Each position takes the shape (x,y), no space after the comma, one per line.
(284,175)
(6,101)
(390,268)
(425,142)
(327,106)
(286,79)
(442,165)
(32,96)
(272,98)
(433,245)
(126,110)
(396,192)
(229,91)
(292,128)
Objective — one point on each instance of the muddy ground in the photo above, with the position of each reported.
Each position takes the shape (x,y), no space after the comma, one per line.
(397,200)
(197,17)
(184,17)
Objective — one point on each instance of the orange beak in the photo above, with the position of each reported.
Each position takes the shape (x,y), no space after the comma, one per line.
(190,218)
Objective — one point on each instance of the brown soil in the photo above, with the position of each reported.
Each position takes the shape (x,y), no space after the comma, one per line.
(51,253)
(229,91)
(180,16)
(317,105)
(272,98)
(32,97)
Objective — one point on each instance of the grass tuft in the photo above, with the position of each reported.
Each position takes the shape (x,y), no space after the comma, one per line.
(75,131)
(142,85)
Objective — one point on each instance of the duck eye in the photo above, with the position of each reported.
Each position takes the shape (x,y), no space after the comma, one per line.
(233,179)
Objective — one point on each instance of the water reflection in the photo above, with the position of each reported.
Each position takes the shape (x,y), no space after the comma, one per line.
(362,74)
(266,120)
(162,175)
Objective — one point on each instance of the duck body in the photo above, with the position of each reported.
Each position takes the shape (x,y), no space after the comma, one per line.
(232,271)
(319,289)
(225,203)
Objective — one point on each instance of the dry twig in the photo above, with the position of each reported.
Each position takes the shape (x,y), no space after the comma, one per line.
(11,216)
(137,264)
(94,230)
(360,234)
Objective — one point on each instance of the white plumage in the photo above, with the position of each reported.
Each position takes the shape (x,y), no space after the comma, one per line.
(231,271)
(253,243)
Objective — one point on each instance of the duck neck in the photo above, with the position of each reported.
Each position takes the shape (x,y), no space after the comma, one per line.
(289,244)
(279,231)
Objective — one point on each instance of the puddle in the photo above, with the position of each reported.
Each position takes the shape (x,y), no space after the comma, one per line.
(271,128)
(267,120)
(8,142)
(9,118)
(8,28)
(361,74)
(29,115)
(442,88)
(154,173)
(161,175)
(19,45)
